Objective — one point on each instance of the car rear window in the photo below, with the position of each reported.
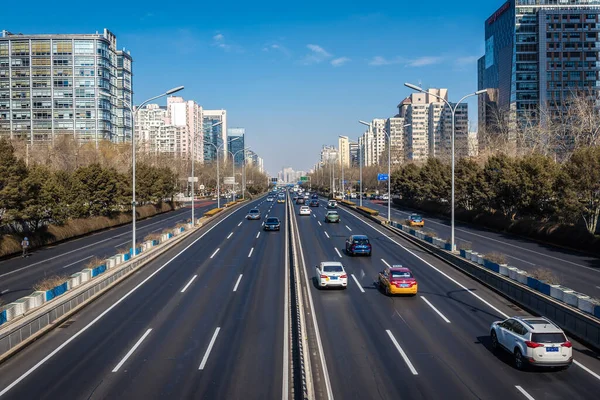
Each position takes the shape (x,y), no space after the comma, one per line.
(272,220)
(333,268)
(361,241)
(416,219)
(548,337)
(401,275)
(254,211)
(332,213)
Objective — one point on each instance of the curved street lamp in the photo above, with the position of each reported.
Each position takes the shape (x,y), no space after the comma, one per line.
(453,110)
(133,117)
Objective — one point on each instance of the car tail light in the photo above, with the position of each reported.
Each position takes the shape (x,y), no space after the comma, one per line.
(533,345)
(567,344)
(344,276)
(353,247)
(323,276)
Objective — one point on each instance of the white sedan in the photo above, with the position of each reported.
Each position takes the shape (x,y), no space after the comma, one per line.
(332,274)
(305,210)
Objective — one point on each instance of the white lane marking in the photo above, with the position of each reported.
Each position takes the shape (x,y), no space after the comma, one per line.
(515,258)
(319,222)
(358,284)
(73,263)
(314,318)
(402,353)
(83,247)
(210,346)
(347,227)
(314,215)
(386,264)
(130,352)
(109,309)
(156,230)
(586,369)
(231,234)
(240,223)
(524,393)
(189,283)
(285,389)
(250,254)
(435,309)
(237,283)
(267,216)
(338,252)
(327,235)
(257,235)
(263,224)
(121,244)
(434,268)
(5,291)
(215,253)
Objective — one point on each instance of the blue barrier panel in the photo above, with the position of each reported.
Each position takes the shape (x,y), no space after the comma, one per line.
(98,270)
(2,317)
(138,250)
(448,247)
(60,289)
(597,311)
(413,232)
(155,243)
(126,256)
(463,253)
(49,295)
(543,287)
(492,266)
(170,235)
(533,283)
(429,239)
(181,229)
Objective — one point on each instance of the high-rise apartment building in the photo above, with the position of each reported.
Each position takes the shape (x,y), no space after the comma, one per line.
(73,84)
(354,154)
(538,54)
(344,149)
(374,142)
(173,129)
(215,134)
(252,159)
(395,128)
(236,144)
(429,130)
(329,155)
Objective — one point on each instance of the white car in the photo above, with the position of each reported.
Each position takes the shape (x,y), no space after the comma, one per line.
(305,210)
(535,341)
(269,199)
(332,274)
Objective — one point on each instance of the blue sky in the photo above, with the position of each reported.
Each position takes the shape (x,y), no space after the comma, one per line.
(294,75)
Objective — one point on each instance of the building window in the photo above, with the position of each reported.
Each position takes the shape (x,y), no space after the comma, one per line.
(84,47)
(40,47)
(62,47)
(20,48)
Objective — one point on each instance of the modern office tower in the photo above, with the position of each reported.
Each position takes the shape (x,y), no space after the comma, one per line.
(354,154)
(215,136)
(344,149)
(429,133)
(538,54)
(236,139)
(65,84)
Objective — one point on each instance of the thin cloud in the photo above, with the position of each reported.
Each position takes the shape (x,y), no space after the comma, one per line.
(221,42)
(274,48)
(468,60)
(219,37)
(338,62)
(424,61)
(378,61)
(317,55)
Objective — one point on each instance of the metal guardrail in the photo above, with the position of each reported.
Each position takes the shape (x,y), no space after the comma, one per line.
(575,322)
(50,315)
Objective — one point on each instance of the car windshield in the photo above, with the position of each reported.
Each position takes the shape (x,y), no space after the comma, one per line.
(557,337)
(254,212)
(272,221)
(361,241)
(332,213)
(333,268)
(416,218)
(401,275)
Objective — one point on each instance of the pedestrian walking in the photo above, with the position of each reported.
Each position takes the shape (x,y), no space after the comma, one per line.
(25,245)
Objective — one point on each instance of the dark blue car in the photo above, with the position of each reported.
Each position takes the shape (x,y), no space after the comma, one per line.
(358,244)
(272,224)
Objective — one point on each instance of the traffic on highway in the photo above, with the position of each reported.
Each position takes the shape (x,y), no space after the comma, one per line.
(386,319)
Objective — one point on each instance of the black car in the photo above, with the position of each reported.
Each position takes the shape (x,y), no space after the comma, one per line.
(272,224)
(314,203)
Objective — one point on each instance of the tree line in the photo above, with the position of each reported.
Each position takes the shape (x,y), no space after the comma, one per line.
(531,187)
(34,194)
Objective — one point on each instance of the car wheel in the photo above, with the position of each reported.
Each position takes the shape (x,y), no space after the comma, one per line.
(494,341)
(519,360)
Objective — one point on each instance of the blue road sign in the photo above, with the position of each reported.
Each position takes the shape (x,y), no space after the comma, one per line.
(382,177)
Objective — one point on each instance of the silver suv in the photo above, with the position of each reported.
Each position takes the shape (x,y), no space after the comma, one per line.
(532,341)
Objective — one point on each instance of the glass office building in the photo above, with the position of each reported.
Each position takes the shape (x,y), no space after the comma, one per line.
(538,53)
(236,143)
(53,85)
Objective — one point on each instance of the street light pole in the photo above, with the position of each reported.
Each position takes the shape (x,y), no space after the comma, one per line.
(233,164)
(133,118)
(453,111)
(370,125)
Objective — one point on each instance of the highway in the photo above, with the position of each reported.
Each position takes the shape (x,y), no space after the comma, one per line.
(575,270)
(443,331)
(205,320)
(18,275)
